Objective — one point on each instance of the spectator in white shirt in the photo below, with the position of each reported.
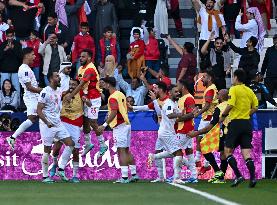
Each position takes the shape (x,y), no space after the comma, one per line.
(254,27)
(134,89)
(210,20)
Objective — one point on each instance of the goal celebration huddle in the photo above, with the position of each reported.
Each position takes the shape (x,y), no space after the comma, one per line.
(70,106)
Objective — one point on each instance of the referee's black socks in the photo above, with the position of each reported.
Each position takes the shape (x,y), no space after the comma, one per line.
(210,158)
(233,164)
(224,165)
(251,167)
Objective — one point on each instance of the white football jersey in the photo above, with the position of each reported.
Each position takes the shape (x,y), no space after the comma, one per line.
(25,75)
(167,125)
(52,101)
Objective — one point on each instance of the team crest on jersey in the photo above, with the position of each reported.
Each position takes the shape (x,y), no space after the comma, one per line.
(26,73)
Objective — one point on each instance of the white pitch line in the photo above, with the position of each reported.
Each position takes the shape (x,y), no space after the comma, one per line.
(206,195)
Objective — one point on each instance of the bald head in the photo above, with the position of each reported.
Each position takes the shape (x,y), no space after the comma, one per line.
(223,95)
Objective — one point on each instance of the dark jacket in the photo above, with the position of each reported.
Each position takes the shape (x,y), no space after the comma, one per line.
(11,59)
(269,65)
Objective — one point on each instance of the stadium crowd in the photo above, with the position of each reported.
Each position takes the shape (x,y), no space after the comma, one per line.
(65,33)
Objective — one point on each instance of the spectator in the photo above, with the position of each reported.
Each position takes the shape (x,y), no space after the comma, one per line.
(218,60)
(108,45)
(82,41)
(9,98)
(53,54)
(188,63)
(264,7)
(135,56)
(137,90)
(105,16)
(104,95)
(254,27)
(34,43)
(161,18)
(10,59)
(64,72)
(3,10)
(23,14)
(56,27)
(231,9)
(261,91)
(3,28)
(151,53)
(130,100)
(5,122)
(175,14)
(269,67)
(210,20)
(249,59)
(162,75)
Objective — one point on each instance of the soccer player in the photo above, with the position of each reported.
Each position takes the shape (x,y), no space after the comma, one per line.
(161,94)
(72,119)
(28,81)
(118,120)
(209,103)
(89,87)
(242,104)
(50,126)
(219,172)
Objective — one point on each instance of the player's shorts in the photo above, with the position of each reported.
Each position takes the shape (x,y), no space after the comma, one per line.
(122,135)
(170,143)
(49,134)
(203,124)
(239,133)
(92,112)
(31,104)
(185,142)
(74,132)
(159,145)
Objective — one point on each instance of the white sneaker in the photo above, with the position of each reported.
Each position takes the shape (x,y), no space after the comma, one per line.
(178,181)
(158,180)
(150,160)
(11,142)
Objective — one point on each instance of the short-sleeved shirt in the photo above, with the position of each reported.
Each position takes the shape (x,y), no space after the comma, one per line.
(205,33)
(26,75)
(187,61)
(53,106)
(167,127)
(188,126)
(209,99)
(243,99)
(114,106)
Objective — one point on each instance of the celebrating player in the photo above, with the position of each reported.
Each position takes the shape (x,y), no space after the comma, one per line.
(89,87)
(28,81)
(50,126)
(118,120)
(209,103)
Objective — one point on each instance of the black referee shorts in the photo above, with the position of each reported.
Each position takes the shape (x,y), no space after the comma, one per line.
(239,133)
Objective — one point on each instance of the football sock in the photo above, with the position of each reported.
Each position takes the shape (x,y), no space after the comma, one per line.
(210,157)
(101,141)
(75,168)
(44,164)
(177,164)
(24,126)
(192,166)
(65,156)
(224,165)
(251,167)
(133,169)
(124,172)
(159,165)
(87,139)
(233,164)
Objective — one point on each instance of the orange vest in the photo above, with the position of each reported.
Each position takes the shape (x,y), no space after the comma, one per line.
(198,89)
(214,103)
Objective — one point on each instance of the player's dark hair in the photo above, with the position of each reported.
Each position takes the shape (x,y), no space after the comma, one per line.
(110,80)
(26,51)
(136,31)
(84,24)
(35,33)
(162,85)
(50,75)
(53,15)
(108,28)
(88,51)
(218,38)
(241,75)
(9,31)
(171,87)
(211,74)
(150,29)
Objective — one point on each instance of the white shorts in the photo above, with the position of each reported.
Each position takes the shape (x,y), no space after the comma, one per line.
(203,124)
(48,134)
(74,132)
(122,135)
(159,144)
(31,105)
(92,112)
(170,143)
(185,142)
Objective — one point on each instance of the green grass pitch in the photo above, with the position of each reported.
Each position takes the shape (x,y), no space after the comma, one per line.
(102,193)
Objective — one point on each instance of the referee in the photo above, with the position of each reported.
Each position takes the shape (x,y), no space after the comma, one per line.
(242,103)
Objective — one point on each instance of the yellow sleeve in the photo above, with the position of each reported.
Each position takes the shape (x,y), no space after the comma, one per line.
(232,97)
